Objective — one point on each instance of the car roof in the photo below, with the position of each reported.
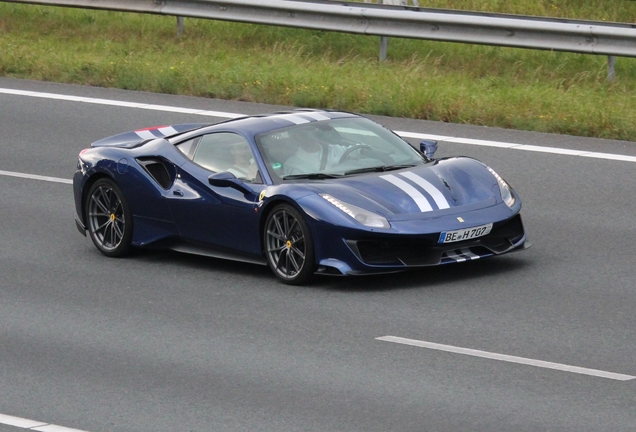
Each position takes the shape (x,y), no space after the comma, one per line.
(257,124)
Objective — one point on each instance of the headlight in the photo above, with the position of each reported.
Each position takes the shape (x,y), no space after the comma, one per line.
(504,188)
(363,216)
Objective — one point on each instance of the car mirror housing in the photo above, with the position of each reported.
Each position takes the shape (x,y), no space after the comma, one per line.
(227,179)
(428,147)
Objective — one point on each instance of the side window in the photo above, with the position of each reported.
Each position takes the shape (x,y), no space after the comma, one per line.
(226,151)
(188,147)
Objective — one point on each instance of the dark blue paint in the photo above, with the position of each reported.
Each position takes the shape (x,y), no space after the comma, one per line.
(221,217)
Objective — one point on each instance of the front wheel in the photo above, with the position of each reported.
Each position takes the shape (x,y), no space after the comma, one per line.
(288,245)
(109,218)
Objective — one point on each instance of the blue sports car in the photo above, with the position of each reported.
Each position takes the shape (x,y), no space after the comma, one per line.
(305,192)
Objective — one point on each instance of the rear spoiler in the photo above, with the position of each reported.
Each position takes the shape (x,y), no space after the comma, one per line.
(141,136)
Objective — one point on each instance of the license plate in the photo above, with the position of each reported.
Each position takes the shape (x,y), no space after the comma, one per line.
(464,234)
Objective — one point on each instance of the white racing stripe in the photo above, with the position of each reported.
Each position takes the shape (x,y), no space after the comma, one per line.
(33,425)
(466,252)
(464,255)
(417,196)
(145,134)
(453,255)
(314,115)
(167,131)
(507,358)
(148,134)
(295,119)
(429,188)
(456,256)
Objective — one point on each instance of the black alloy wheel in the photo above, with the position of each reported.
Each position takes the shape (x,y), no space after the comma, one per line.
(289,247)
(109,218)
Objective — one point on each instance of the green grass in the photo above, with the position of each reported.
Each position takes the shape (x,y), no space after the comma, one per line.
(597,10)
(503,87)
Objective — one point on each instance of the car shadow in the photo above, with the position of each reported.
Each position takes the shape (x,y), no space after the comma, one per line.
(199,262)
(411,279)
(424,277)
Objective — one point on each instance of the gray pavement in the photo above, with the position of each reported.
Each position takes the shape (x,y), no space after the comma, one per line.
(169,342)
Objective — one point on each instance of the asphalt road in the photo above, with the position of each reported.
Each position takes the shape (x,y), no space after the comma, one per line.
(168,342)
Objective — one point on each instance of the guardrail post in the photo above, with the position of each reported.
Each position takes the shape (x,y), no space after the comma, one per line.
(611,71)
(179,26)
(384,43)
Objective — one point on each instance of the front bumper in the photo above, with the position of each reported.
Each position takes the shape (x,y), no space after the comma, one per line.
(382,253)
(424,250)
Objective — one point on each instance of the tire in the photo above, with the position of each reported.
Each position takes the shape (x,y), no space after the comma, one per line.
(108,218)
(289,247)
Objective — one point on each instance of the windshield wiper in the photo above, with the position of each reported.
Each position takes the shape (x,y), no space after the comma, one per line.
(311,176)
(379,169)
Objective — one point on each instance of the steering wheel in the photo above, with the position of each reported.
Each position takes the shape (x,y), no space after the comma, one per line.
(351,149)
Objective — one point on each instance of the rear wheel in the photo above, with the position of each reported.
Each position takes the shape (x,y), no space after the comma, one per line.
(109,218)
(289,246)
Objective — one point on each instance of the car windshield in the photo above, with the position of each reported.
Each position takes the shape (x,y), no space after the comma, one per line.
(334,148)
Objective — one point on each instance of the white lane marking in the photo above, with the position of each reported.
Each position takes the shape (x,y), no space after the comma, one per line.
(55,428)
(428,187)
(36,177)
(611,156)
(526,147)
(404,134)
(418,135)
(120,103)
(483,143)
(19,422)
(507,358)
(417,196)
(554,150)
(33,425)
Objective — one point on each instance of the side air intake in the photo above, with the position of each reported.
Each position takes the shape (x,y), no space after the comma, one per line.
(160,170)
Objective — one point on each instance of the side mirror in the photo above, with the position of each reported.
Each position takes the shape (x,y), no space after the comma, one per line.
(428,147)
(227,179)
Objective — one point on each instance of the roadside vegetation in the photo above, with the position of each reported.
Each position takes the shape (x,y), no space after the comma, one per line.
(500,87)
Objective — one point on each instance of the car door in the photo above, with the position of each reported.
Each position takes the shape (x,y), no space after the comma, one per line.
(222,217)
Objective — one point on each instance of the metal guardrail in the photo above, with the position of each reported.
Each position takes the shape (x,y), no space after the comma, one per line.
(576,36)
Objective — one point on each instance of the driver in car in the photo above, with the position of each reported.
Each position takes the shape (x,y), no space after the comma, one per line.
(313,154)
(244,166)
